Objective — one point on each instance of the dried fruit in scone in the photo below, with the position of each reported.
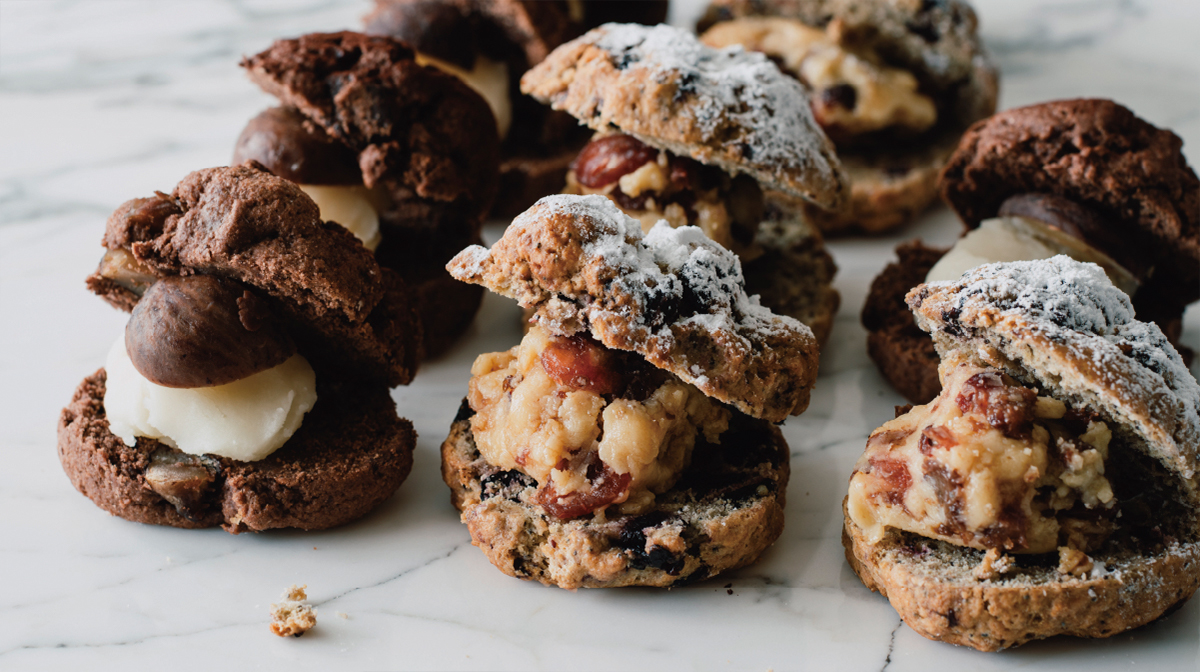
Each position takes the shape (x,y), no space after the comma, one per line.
(1086,178)
(249,388)
(1056,472)
(894,85)
(673,296)
(615,445)
(404,155)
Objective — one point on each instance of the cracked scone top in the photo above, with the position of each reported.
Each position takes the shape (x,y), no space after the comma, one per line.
(673,296)
(728,108)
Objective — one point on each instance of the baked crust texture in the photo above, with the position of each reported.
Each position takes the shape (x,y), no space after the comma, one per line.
(349,455)
(724,512)
(728,108)
(673,296)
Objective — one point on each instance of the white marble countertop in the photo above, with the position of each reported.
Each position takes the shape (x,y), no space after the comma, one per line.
(102,101)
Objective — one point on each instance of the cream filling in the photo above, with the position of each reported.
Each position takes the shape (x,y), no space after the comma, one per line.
(527,421)
(885,97)
(895,485)
(1022,239)
(246,420)
(488,78)
(349,206)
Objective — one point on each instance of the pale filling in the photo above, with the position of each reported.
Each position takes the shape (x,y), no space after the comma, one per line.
(246,420)
(885,97)
(943,473)
(527,421)
(488,78)
(1022,239)
(349,206)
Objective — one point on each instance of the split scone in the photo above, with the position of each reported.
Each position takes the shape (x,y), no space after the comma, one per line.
(1051,487)
(1086,178)
(627,440)
(250,386)
(895,84)
(693,135)
(402,154)
(488,44)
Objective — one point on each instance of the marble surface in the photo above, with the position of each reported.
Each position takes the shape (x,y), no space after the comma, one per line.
(102,101)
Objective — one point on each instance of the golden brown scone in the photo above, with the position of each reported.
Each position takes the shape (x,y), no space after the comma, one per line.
(662,86)
(1061,328)
(673,296)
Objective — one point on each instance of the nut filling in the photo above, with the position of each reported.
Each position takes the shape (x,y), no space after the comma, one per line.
(650,184)
(594,427)
(988,464)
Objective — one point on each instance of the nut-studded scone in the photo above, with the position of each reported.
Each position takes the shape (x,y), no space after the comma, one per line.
(688,134)
(1086,178)
(894,85)
(627,439)
(402,154)
(250,387)
(1051,487)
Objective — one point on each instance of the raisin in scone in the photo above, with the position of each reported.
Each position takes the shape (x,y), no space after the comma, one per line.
(1051,487)
(895,84)
(403,154)
(627,439)
(1086,178)
(693,135)
(250,386)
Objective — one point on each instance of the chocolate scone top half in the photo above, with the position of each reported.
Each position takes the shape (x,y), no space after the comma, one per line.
(885,75)
(726,108)
(1095,171)
(672,296)
(420,145)
(352,319)
(1064,425)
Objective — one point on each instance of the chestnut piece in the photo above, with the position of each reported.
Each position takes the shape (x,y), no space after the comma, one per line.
(296,149)
(182,479)
(201,331)
(605,160)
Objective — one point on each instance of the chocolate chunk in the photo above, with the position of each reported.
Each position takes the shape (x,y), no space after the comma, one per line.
(296,149)
(201,331)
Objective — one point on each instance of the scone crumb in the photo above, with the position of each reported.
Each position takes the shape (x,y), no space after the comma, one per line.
(994,565)
(292,617)
(1073,561)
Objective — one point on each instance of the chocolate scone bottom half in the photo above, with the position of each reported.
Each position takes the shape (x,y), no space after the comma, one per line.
(346,313)
(349,455)
(893,178)
(662,86)
(723,513)
(673,296)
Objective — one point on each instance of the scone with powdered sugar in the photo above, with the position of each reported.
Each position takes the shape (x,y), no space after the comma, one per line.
(693,135)
(627,440)
(1052,487)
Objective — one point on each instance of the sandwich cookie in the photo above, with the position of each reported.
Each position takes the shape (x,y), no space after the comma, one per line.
(1052,486)
(693,135)
(402,154)
(250,387)
(627,440)
(1085,178)
(894,85)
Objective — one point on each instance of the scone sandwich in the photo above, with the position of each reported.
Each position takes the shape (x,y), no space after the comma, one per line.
(1051,488)
(693,135)
(895,83)
(627,440)
(489,44)
(250,386)
(404,155)
(1085,178)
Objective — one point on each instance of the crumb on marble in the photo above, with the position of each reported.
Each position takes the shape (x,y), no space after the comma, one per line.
(292,617)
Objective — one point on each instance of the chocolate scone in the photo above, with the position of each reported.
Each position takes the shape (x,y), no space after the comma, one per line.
(384,144)
(895,85)
(1082,177)
(626,440)
(1051,488)
(250,386)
